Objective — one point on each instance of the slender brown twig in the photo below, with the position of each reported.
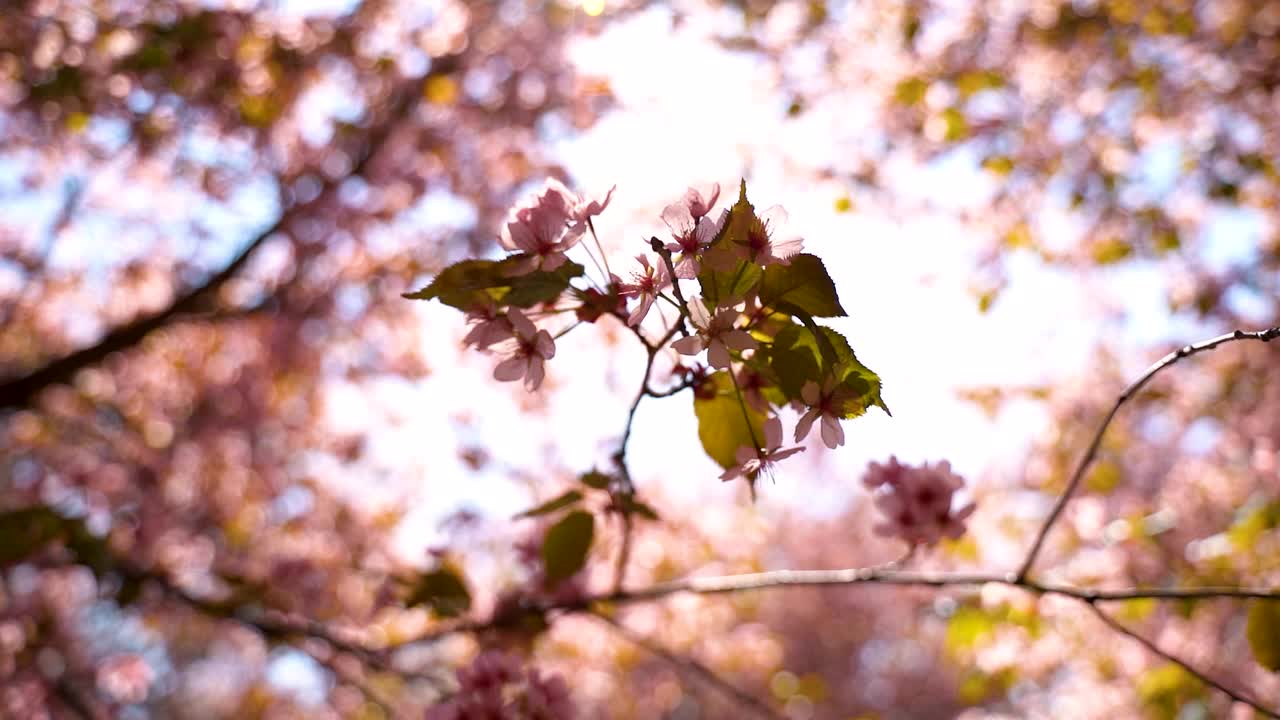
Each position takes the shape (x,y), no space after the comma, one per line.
(1078,475)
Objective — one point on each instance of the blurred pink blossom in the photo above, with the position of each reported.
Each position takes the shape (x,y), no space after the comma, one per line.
(125,678)
(496,686)
(916,501)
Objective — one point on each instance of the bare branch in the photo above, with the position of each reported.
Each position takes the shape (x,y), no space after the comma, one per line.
(1133,389)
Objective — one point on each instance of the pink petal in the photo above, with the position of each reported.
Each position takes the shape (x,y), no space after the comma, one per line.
(783,251)
(688,267)
(731,473)
(523,326)
(513,368)
(544,345)
(784,454)
(738,340)
(805,424)
(698,313)
(745,454)
(641,309)
(691,345)
(718,355)
(772,433)
(677,217)
(773,218)
(832,433)
(533,378)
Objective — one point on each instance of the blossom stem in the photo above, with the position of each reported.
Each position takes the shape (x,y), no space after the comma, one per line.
(565,331)
(746,417)
(603,255)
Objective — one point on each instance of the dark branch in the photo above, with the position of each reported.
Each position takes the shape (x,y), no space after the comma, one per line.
(21,391)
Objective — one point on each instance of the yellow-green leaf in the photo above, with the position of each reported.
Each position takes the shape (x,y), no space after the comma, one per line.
(722,425)
(1263,631)
(467,284)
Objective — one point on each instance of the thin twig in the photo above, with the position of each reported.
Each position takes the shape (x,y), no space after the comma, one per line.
(1078,475)
(1202,677)
(690,667)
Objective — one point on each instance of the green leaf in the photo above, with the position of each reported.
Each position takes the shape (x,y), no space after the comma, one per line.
(722,426)
(560,502)
(471,283)
(564,551)
(595,479)
(721,289)
(443,590)
(803,283)
(800,355)
(539,287)
(1263,632)
(23,532)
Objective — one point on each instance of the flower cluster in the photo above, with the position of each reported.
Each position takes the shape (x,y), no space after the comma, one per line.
(744,334)
(497,686)
(916,501)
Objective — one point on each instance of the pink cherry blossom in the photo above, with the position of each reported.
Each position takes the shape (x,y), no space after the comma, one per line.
(691,234)
(645,285)
(716,334)
(752,385)
(540,228)
(828,404)
(532,347)
(496,686)
(760,246)
(916,501)
(754,461)
(585,208)
(489,327)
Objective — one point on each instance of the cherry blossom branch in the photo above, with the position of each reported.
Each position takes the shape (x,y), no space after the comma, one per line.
(1078,475)
(690,667)
(1115,625)
(683,306)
